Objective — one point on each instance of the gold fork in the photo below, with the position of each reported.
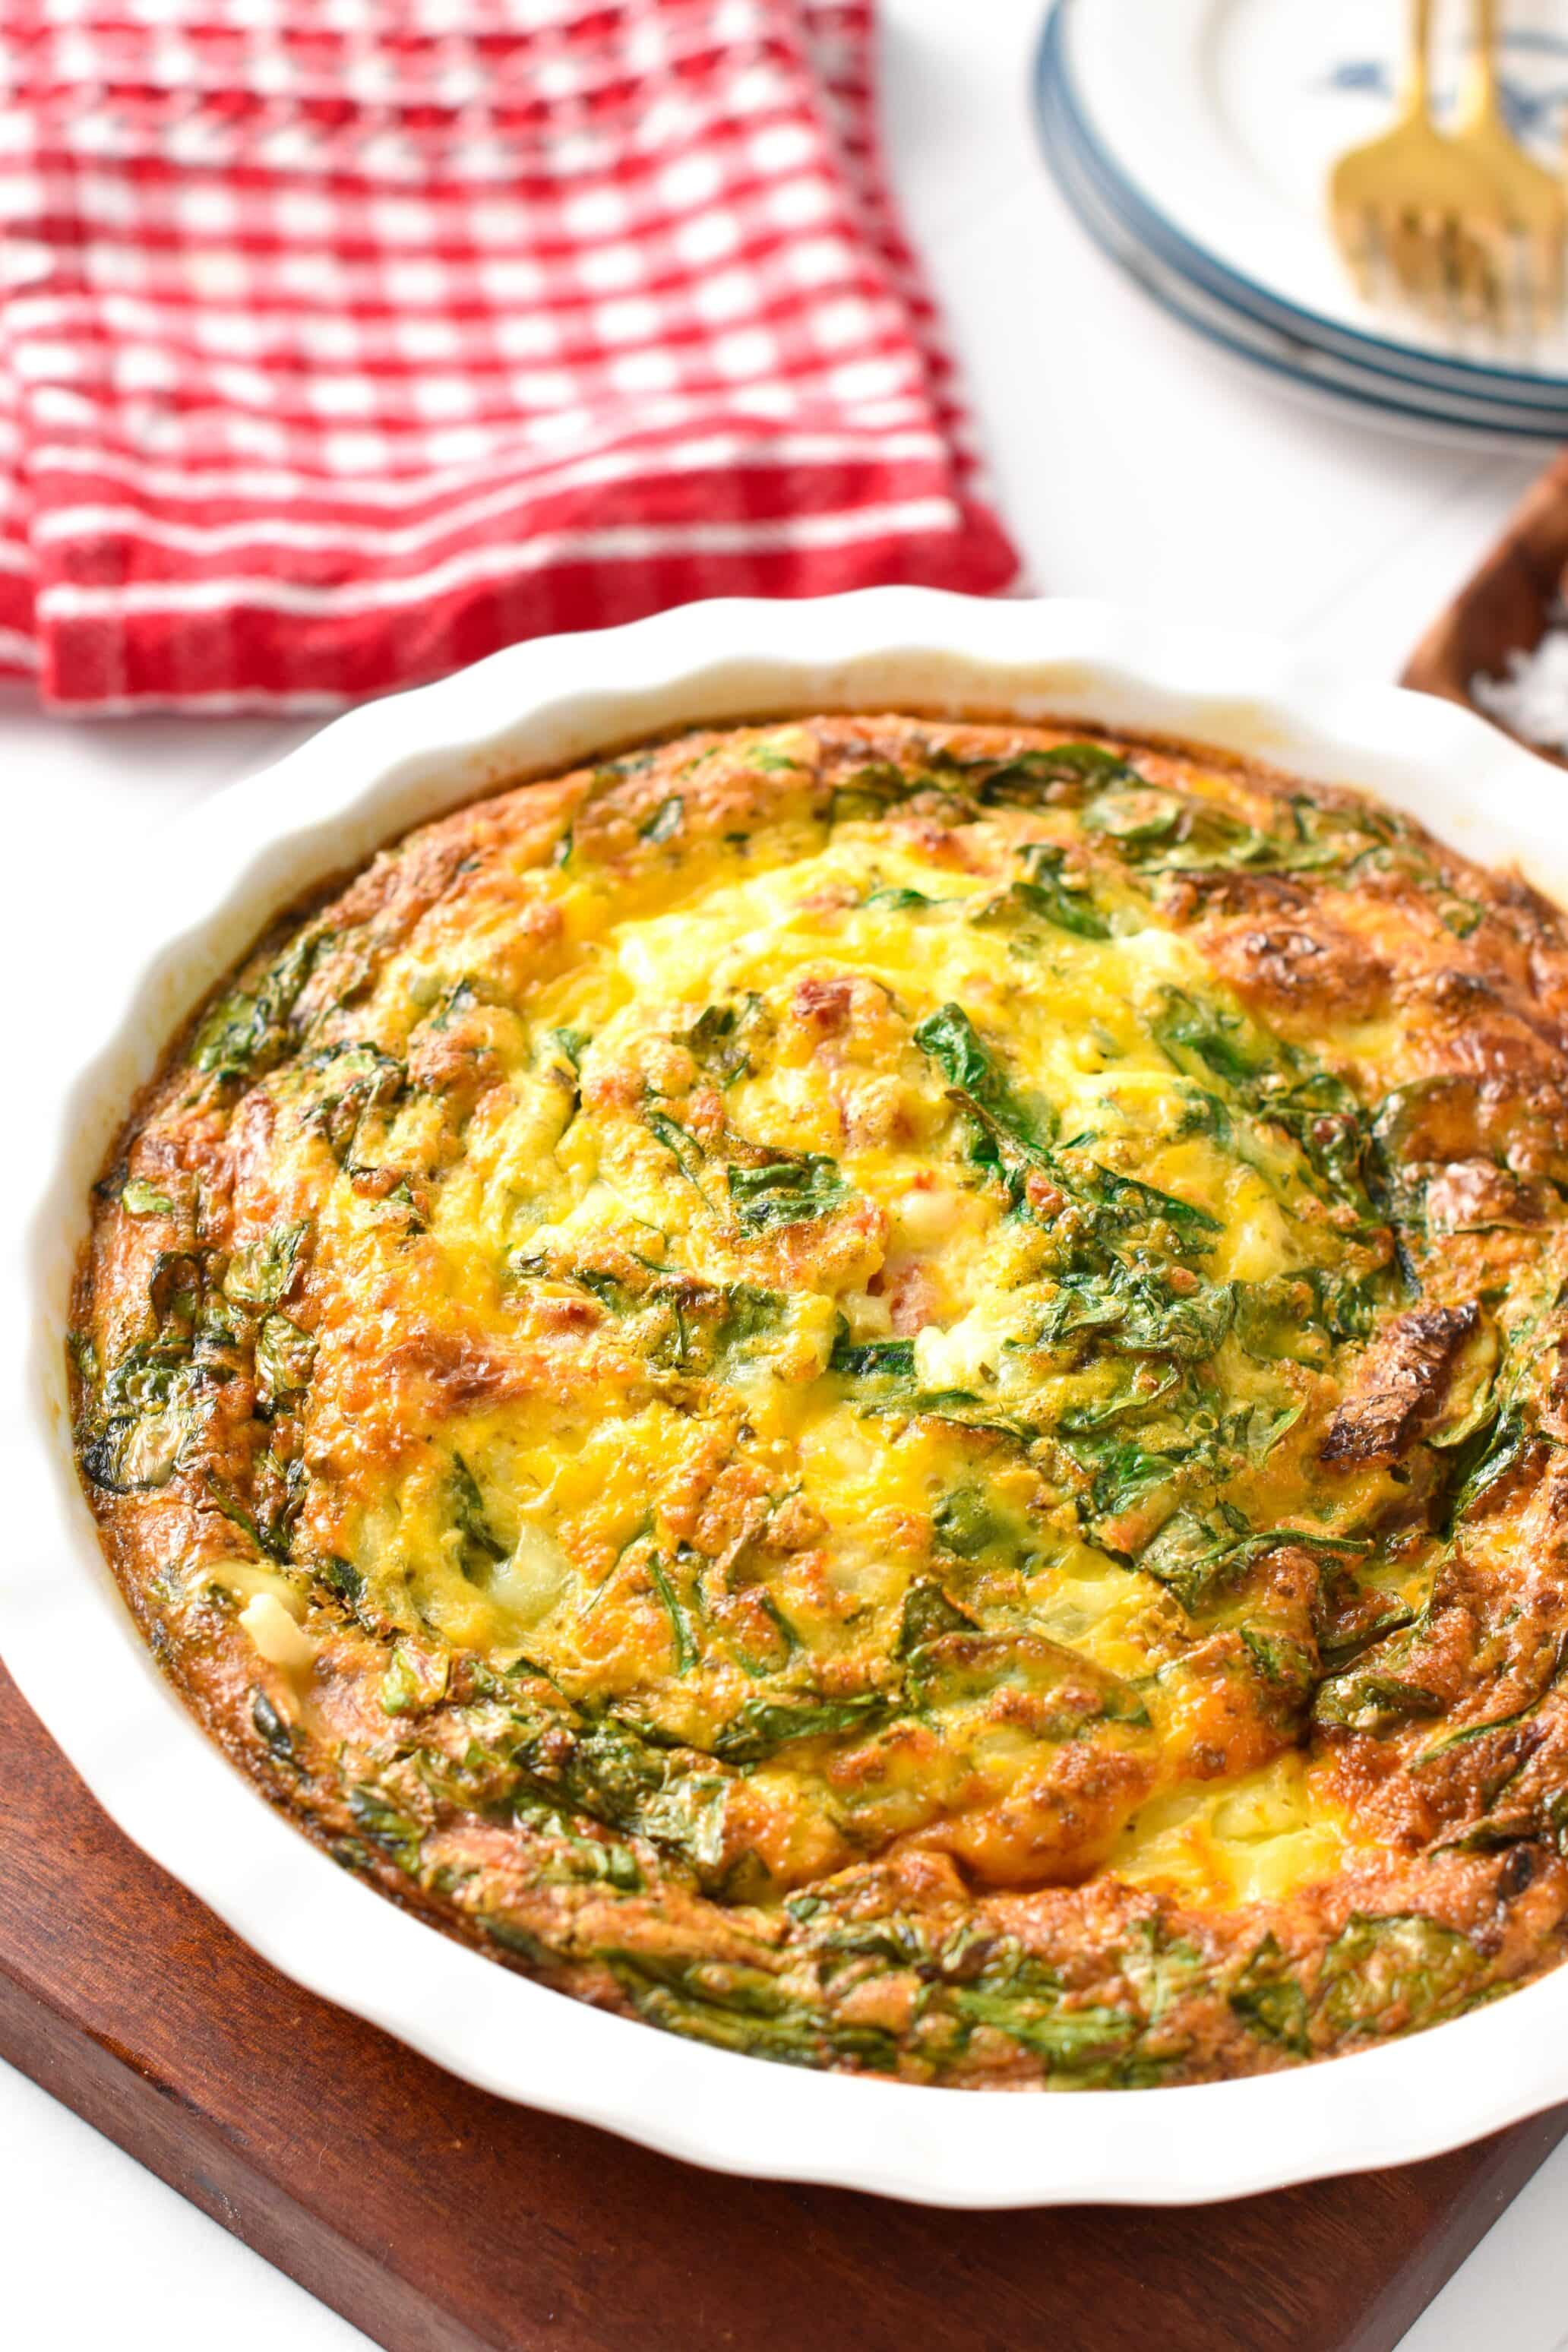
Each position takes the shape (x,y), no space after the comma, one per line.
(1532,198)
(1417,207)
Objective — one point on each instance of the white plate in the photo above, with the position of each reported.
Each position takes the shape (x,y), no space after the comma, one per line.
(1298,367)
(1224,116)
(146,939)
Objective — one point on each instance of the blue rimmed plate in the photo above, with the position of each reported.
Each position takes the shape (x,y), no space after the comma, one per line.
(1297,365)
(1210,126)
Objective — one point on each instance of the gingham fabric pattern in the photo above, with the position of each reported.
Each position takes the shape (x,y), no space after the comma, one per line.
(344,340)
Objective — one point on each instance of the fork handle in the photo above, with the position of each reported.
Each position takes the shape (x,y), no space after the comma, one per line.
(1416,99)
(1480,70)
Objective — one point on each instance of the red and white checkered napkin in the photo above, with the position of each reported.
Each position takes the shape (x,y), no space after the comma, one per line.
(343,341)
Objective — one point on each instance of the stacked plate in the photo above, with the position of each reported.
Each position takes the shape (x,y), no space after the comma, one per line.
(1193,138)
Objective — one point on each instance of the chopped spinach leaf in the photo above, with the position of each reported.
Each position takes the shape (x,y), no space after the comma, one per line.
(1270,2001)
(1132,1312)
(1048,893)
(666,821)
(952,1041)
(872,1359)
(482,1548)
(1202,1042)
(1018,1132)
(1134,814)
(413,1680)
(249,1030)
(275,1735)
(1381,1974)
(270,1536)
(1195,1552)
(262,1272)
(1491,1455)
(1272,1082)
(786,1192)
(284,1358)
(1256,1430)
(386,1827)
(1129,1201)
(573,1044)
(747,1314)
(683,1640)
(1018,1995)
(1469,1733)
(141,1199)
(869,792)
(965,1411)
(741,2008)
(964,1668)
(688,1152)
(342,1086)
(1026,781)
(458,998)
(1125,1472)
(141,1420)
(1288,1669)
(900,901)
(1377,1703)
(927,1614)
(964,1523)
(340,1577)
(762,1727)
(715,1043)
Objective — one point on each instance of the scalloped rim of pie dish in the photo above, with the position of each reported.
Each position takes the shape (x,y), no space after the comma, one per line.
(68,1640)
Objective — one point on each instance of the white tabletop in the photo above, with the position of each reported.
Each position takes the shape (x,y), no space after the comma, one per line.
(1132,462)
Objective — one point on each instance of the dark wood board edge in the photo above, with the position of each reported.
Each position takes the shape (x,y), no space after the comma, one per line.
(145,2117)
(1505,606)
(1498,2170)
(436,2219)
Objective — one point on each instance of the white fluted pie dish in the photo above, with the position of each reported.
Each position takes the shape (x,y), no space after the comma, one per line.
(124,986)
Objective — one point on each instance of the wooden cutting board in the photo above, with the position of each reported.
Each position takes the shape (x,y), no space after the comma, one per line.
(440,2220)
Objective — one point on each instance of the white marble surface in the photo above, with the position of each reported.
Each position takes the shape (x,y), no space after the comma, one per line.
(1132,462)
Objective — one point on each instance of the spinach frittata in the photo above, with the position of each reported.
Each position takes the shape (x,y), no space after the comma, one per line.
(892,1393)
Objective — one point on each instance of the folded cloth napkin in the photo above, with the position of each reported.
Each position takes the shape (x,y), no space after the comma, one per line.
(339,346)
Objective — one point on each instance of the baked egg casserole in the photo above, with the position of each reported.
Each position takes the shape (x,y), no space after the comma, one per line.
(891,1394)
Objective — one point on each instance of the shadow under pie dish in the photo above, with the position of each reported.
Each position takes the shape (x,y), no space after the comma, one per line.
(885,1390)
